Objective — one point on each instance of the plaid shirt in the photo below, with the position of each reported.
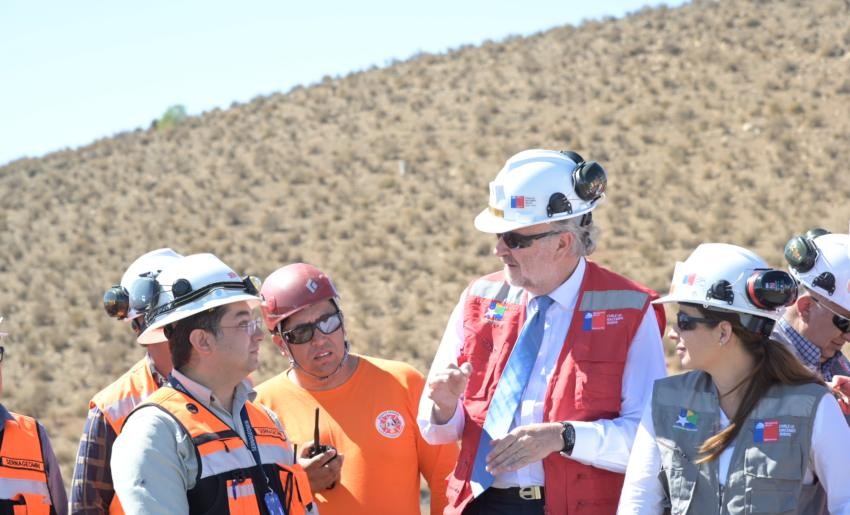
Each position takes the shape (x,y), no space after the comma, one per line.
(91,488)
(810,354)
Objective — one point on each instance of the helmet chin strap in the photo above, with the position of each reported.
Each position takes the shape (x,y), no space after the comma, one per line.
(295,364)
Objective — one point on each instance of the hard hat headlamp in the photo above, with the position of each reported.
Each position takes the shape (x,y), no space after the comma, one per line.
(116,302)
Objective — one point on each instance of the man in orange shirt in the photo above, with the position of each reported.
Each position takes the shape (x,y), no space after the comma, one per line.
(367,405)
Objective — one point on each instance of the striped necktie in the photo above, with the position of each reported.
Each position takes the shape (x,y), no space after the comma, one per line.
(506,400)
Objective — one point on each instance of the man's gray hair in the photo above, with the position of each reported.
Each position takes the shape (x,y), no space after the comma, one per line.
(584,237)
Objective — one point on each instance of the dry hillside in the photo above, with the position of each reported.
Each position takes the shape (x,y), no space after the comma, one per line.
(717,121)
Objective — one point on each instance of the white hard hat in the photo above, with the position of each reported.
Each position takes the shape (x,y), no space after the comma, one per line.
(541,186)
(116,300)
(731,278)
(822,265)
(191,285)
(152,262)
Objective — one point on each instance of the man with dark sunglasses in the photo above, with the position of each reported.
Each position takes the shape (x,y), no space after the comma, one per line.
(817,325)
(368,447)
(92,492)
(545,367)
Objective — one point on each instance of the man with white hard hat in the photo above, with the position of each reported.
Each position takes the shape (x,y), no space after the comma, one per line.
(199,444)
(91,489)
(818,325)
(545,366)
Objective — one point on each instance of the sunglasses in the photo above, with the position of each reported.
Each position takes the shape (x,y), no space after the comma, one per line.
(520,241)
(2,353)
(303,333)
(842,323)
(686,322)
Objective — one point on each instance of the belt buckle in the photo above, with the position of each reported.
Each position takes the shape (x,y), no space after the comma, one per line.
(530,493)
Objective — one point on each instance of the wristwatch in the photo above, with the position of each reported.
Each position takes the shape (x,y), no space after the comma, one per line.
(568,433)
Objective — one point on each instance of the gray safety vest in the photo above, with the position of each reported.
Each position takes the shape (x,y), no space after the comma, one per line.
(769,460)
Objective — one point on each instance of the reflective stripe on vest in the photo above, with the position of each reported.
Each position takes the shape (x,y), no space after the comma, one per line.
(614,299)
(224,456)
(768,462)
(499,291)
(119,399)
(586,383)
(22,470)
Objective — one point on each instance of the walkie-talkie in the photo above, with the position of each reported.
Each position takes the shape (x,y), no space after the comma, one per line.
(317,448)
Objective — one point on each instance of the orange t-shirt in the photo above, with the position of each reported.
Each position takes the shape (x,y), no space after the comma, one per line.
(371,420)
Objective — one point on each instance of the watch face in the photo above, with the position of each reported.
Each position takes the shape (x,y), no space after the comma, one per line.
(569,435)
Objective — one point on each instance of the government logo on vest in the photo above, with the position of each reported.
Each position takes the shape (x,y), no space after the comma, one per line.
(495,312)
(772,431)
(594,321)
(687,420)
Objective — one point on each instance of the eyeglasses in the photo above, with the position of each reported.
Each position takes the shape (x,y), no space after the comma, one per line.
(520,241)
(303,333)
(841,322)
(248,327)
(2,353)
(686,322)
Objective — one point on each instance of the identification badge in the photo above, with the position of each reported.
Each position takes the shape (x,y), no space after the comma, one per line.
(273,504)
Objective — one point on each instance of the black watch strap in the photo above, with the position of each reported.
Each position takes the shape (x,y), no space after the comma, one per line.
(568,433)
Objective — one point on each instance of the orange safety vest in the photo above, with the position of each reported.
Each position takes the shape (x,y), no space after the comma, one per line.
(225,461)
(119,399)
(586,385)
(23,476)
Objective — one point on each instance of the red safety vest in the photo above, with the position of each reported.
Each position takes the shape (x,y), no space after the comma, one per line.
(586,385)
(119,399)
(225,462)
(23,476)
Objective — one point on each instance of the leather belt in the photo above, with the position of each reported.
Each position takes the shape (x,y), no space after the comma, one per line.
(525,493)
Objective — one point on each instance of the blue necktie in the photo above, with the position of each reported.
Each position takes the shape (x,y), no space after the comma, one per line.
(506,400)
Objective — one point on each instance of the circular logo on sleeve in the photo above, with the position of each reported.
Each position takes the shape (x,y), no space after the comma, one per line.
(390,423)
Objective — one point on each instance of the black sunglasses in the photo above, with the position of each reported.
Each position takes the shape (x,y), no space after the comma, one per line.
(520,241)
(303,333)
(686,322)
(842,323)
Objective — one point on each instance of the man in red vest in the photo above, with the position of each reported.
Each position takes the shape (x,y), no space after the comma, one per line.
(545,366)
(91,489)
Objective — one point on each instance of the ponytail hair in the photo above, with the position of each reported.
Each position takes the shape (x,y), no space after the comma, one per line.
(775,364)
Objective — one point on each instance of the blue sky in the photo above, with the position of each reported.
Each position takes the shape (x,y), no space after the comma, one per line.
(74,72)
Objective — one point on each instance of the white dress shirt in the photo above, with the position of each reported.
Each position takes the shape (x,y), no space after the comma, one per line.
(603,443)
(828,459)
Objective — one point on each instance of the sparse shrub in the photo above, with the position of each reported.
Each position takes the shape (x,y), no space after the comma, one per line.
(171,117)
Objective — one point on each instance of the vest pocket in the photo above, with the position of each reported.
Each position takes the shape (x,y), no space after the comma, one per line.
(598,385)
(774,476)
(680,474)
(241,499)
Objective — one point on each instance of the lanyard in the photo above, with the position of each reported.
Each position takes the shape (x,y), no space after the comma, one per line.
(270,498)
(246,425)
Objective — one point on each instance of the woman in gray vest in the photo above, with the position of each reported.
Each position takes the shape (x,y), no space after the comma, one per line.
(749,429)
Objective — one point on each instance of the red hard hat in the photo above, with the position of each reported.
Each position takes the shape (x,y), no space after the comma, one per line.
(292,288)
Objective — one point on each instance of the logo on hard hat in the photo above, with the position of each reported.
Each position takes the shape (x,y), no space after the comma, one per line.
(312,285)
(522,202)
(390,423)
